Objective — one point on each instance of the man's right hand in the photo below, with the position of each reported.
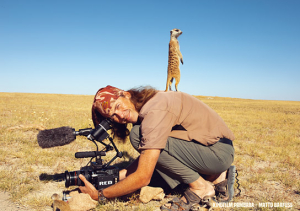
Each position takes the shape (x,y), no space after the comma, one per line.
(88,188)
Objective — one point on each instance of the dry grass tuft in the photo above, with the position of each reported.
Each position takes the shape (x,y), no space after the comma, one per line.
(267,148)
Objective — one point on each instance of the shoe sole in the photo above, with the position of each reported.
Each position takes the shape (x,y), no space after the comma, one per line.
(230,182)
(230,185)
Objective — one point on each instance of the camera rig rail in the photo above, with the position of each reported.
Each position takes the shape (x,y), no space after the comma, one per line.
(99,174)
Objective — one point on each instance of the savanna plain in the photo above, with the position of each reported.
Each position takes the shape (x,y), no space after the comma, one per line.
(267,150)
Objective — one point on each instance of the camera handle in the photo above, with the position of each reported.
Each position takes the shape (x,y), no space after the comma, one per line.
(99,134)
(98,163)
(118,153)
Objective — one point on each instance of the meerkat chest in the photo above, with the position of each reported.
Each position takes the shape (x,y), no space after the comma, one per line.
(173,52)
(174,46)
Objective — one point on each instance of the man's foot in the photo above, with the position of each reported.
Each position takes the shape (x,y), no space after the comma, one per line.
(224,189)
(189,200)
(203,190)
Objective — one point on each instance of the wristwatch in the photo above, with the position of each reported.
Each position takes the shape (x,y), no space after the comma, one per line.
(101,197)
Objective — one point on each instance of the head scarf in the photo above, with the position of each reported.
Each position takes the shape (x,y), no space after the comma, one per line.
(104,99)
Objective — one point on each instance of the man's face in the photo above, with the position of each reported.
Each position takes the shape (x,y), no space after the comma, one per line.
(123,110)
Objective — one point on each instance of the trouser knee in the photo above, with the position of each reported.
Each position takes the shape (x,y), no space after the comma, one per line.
(135,136)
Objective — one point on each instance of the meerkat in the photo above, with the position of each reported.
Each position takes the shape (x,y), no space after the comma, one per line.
(58,204)
(175,57)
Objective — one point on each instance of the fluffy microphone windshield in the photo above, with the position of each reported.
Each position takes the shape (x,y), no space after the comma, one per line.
(55,137)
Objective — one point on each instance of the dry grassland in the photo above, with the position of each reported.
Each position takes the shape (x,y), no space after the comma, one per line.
(267,148)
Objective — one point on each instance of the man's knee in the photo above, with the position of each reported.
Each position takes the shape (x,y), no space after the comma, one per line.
(135,136)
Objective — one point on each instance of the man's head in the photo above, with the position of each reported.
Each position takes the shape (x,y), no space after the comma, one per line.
(115,103)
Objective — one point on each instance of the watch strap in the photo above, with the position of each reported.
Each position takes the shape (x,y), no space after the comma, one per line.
(101,197)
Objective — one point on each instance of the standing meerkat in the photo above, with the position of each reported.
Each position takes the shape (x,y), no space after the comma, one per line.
(175,57)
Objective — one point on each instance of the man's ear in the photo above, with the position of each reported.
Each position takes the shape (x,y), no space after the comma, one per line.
(127,94)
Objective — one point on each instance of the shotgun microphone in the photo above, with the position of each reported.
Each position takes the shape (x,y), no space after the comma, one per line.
(65,135)
(56,137)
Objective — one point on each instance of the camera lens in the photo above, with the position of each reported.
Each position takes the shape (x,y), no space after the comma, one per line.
(72,178)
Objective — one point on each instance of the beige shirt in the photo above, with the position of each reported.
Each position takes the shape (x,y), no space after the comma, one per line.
(167,109)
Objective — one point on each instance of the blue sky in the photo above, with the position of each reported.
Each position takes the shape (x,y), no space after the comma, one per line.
(231,48)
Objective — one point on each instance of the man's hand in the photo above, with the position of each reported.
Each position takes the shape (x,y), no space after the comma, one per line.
(88,188)
(138,175)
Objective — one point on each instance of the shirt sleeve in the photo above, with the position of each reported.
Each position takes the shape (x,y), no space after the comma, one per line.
(155,129)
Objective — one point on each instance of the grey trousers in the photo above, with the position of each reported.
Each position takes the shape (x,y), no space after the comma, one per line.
(183,161)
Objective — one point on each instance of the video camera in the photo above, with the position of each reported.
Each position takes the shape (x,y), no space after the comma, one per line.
(99,174)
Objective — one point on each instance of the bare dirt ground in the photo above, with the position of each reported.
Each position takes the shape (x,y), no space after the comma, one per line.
(7,205)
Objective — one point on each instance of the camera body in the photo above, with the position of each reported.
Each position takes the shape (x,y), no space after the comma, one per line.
(98,174)
(101,178)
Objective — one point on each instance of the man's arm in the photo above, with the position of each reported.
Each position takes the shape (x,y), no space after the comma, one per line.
(129,169)
(138,179)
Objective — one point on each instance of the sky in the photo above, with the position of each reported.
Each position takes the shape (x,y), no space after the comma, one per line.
(246,49)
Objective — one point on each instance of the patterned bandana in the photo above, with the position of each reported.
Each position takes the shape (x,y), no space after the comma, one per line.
(104,99)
